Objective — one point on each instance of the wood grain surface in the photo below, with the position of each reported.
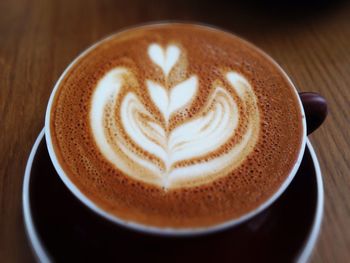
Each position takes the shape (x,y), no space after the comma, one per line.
(38,38)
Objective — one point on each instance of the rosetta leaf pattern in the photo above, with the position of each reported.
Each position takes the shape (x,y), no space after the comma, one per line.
(206,131)
(178,97)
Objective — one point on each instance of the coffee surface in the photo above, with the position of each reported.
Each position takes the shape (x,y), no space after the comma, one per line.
(176,125)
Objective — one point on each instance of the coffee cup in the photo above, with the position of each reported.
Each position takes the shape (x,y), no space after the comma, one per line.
(177,129)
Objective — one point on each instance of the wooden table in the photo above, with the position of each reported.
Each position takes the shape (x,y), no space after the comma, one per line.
(39,38)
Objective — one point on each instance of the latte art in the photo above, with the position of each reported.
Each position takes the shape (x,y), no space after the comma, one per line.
(174,126)
(173,138)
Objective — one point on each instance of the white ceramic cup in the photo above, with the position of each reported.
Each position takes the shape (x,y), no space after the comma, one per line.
(158,230)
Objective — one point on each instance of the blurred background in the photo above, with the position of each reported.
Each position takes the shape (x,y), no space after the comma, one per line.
(310,39)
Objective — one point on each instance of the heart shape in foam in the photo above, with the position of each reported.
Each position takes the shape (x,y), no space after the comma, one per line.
(165,59)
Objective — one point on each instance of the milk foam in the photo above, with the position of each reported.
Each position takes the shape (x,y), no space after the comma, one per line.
(194,152)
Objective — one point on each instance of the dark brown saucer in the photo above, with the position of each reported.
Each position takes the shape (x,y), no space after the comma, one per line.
(61,229)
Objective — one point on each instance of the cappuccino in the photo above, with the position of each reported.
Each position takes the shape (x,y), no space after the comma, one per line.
(176,125)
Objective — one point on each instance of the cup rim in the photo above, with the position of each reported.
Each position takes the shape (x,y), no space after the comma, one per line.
(169,231)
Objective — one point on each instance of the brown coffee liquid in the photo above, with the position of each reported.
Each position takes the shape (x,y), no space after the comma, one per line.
(176,125)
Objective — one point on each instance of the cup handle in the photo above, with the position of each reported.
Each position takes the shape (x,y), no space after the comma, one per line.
(315,108)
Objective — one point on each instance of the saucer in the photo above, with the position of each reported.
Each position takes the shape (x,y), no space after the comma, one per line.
(60,228)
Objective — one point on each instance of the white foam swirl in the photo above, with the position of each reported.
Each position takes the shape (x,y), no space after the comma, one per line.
(199,150)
